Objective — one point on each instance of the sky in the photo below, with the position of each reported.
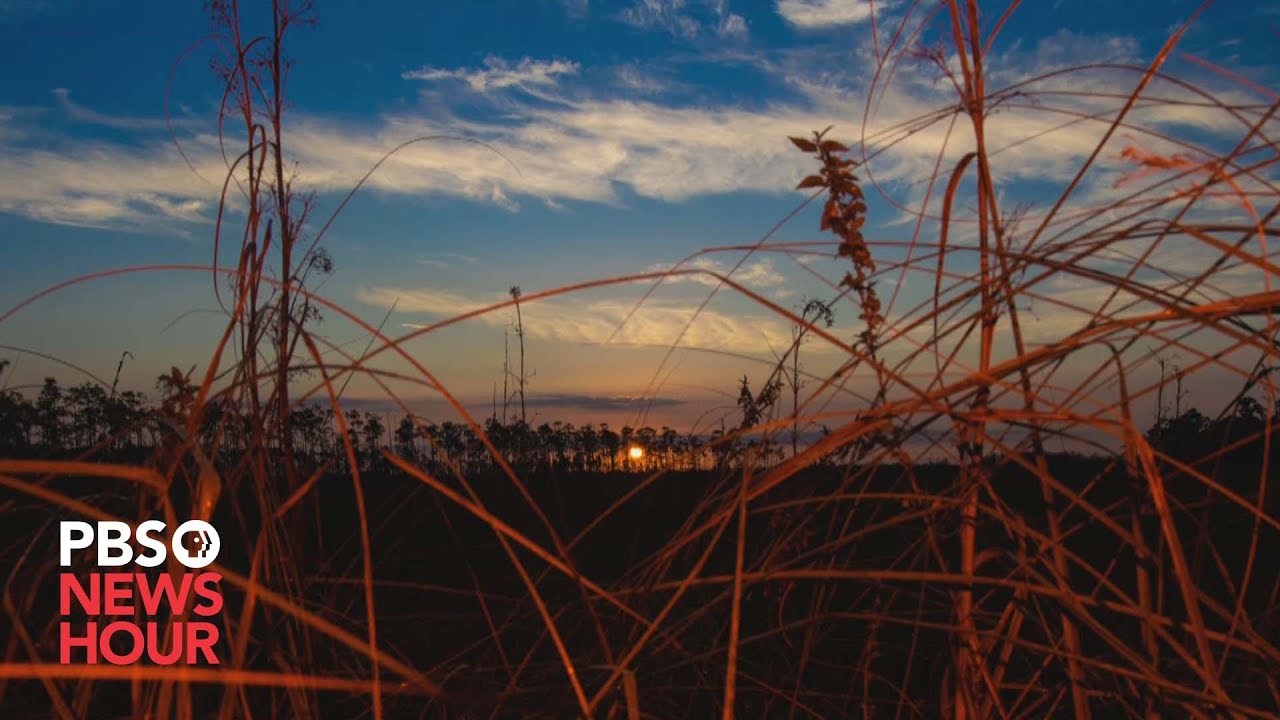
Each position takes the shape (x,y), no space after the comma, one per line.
(608,138)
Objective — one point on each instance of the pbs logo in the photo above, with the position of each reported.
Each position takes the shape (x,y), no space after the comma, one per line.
(205,540)
(195,543)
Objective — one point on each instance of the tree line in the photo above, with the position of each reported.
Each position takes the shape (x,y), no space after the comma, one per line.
(59,422)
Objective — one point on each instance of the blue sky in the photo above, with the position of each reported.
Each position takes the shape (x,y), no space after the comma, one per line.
(632,134)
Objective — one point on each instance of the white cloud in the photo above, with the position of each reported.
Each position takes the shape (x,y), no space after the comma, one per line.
(732,25)
(756,274)
(80,113)
(686,20)
(577,150)
(1065,48)
(582,150)
(810,14)
(100,184)
(596,148)
(498,74)
(729,25)
(760,274)
(668,15)
(637,79)
(657,322)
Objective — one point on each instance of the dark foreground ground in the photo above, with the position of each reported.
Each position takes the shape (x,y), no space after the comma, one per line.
(849,609)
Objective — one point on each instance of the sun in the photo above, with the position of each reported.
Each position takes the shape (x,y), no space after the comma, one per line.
(636,452)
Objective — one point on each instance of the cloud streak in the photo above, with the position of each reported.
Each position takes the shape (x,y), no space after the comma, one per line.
(760,274)
(498,74)
(657,323)
(587,146)
(80,113)
(99,184)
(816,14)
(597,402)
(686,20)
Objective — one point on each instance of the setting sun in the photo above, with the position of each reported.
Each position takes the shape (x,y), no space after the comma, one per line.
(636,452)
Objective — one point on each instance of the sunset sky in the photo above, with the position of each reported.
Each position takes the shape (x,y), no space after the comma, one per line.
(622,137)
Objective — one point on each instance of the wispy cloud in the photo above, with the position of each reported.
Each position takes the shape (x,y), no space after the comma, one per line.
(729,25)
(812,14)
(686,20)
(657,322)
(499,74)
(434,407)
(637,79)
(577,150)
(668,15)
(99,184)
(598,402)
(445,261)
(591,145)
(759,274)
(80,113)
(732,26)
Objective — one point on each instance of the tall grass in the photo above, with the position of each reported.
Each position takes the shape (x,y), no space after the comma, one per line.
(1007,581)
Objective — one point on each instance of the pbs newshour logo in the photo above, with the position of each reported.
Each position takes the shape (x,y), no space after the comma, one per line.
(133,602)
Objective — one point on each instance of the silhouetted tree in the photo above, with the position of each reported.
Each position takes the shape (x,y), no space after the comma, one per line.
(515,295)
(49,416)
